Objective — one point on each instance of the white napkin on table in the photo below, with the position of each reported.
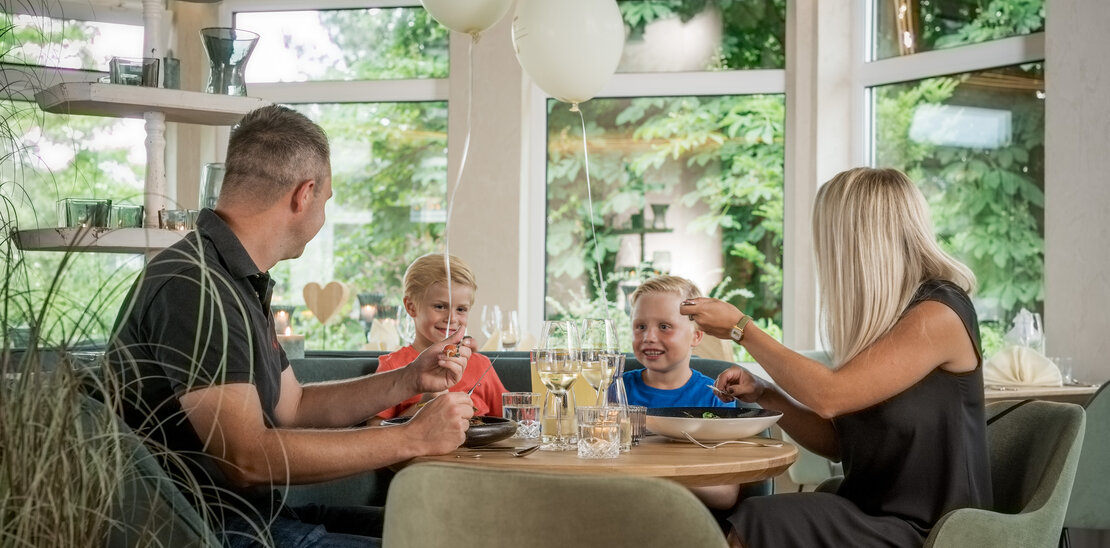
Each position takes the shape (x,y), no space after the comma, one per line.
(383,335)
(493,343)
(1021,366)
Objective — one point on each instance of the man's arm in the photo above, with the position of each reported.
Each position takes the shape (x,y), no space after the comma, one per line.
(228,418)
(351,402)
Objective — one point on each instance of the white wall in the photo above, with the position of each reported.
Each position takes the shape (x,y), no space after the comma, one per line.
(1077,169)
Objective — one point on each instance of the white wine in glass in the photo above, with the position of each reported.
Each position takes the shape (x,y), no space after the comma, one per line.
(598,345)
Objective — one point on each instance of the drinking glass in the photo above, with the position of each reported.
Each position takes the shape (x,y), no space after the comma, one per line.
(599,343)
(524,409)
(598,432)
(491,320)
(557,364)
(406,326)
(510,334)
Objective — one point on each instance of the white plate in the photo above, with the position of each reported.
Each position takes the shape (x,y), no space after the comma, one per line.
(730,424)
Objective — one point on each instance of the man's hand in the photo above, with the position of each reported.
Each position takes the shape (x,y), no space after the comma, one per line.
(437,369)
(440,426)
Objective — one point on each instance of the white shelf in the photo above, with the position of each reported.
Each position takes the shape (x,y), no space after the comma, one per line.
(96,240)
(119,101)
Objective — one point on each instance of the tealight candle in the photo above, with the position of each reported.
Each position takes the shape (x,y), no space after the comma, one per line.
(293,345)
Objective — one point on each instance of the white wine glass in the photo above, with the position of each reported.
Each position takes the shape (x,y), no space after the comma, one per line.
(598,349)
(491,320)
(510,333)
(406,326)
(557,364)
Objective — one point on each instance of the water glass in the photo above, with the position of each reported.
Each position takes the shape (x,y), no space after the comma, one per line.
(510,334)
(524,409)
(637,417)
(599,432)
(1065,366)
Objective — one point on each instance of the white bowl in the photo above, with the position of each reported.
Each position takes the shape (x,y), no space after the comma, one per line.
(730,424)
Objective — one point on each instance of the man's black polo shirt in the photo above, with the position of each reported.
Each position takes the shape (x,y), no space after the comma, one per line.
(199,315)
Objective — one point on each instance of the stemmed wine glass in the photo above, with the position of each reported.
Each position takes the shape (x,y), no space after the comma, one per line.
(491,320)
(406,326)
(557,363)
(599,346)
(510,334)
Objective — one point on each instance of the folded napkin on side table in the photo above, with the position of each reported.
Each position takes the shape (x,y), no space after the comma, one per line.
(1021,366)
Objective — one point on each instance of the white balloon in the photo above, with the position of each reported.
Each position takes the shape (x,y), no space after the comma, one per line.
(570,48)
(467,16)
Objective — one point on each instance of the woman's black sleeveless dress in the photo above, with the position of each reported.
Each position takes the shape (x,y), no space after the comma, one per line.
(907,461)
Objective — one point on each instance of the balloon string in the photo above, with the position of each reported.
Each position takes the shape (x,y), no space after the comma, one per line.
(458,178)
(593,227)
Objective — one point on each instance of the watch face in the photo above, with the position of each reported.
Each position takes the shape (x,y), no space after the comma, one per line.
(736,334)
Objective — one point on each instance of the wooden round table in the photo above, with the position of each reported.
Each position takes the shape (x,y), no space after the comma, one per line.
(655,456)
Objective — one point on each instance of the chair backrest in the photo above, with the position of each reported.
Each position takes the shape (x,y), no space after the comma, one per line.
(1089,507)
(1034,449)
(149,509)
(464,506)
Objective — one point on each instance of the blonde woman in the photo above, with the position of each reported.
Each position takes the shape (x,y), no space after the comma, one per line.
(902,407)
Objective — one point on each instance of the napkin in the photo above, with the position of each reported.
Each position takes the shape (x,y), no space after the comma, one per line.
(713,348)
(1021,366)
(493,343)
(383,335)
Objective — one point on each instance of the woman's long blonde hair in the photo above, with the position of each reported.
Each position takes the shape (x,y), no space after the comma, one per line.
(875,246)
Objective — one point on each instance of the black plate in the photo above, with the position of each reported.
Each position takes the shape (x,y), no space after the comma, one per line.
(492,429)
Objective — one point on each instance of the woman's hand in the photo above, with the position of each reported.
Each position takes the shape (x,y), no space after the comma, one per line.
(740,384)
(713,316)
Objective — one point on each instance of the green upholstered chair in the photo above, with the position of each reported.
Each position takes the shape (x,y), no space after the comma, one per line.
(148,510)
(465,506)
(1089,507)
(1034,451)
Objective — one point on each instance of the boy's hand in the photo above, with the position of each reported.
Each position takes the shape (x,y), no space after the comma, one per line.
(436,369)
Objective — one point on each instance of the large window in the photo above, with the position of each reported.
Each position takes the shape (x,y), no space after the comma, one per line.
(974,142)
(389,159)
(71,299)
(905,27)
(690,185)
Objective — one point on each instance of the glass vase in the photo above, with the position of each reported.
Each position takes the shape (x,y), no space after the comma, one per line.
(228,51)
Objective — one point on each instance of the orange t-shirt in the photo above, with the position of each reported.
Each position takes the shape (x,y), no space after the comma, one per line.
(487,397)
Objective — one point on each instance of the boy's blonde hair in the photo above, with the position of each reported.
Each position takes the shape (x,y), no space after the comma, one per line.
(429,269)
(666,284)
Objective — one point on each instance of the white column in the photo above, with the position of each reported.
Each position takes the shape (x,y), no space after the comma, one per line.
(1077,193)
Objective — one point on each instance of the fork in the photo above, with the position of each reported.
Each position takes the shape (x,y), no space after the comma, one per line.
(738,442)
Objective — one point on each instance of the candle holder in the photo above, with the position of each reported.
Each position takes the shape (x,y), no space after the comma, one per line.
(283,318)
(368,305)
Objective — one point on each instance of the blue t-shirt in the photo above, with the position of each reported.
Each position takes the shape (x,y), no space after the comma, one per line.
(694,393)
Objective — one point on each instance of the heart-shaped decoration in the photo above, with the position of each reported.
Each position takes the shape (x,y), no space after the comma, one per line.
(325,301)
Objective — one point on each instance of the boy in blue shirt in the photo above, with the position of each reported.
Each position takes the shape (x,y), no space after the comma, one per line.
(663,340)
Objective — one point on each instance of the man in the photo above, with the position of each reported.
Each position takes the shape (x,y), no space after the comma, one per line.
(203,373)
